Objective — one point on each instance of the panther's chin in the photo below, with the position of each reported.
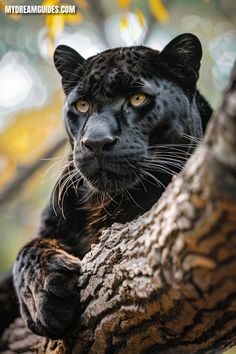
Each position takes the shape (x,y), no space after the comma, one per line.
(107,181)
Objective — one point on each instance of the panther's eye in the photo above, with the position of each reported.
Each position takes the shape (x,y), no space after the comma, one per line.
(82,106)
(137,99)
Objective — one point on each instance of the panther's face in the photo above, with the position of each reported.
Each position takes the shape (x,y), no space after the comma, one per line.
(124,104)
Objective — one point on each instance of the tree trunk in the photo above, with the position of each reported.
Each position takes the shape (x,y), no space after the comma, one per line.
(164,283)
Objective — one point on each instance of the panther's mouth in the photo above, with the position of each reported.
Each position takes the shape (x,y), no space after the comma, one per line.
(106,173)
(106,180)
(110,176)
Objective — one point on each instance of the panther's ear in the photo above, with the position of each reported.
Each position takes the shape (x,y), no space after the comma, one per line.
(183,56)
(67,61)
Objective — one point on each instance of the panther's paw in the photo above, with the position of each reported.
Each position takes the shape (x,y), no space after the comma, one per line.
(46,283)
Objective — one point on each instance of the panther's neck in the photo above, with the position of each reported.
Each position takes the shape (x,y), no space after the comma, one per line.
(123,207)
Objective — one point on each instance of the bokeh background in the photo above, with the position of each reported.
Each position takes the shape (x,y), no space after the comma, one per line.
(32,139)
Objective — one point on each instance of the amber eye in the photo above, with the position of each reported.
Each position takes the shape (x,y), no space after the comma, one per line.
(82,106)
(138,99)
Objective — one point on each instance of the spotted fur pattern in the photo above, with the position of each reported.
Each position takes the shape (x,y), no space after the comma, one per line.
(142,146)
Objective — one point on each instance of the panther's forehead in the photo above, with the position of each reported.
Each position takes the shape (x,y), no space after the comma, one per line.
(116,70)
(118,56)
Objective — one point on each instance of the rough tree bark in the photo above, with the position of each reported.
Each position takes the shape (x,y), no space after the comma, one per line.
(164,283)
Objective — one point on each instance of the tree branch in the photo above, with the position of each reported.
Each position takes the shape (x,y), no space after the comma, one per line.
(166,281)
(26,171)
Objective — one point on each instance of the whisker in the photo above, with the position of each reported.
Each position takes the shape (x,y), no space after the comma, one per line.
(158,182)
(168,160)
(160,168)
(131,198)
(192,137)
(168,146)
(67,186)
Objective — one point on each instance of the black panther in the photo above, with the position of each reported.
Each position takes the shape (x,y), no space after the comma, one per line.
(133,115)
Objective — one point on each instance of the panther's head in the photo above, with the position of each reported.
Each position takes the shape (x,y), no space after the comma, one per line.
(124,105)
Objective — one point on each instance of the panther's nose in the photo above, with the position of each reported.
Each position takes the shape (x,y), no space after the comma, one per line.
(99,145)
